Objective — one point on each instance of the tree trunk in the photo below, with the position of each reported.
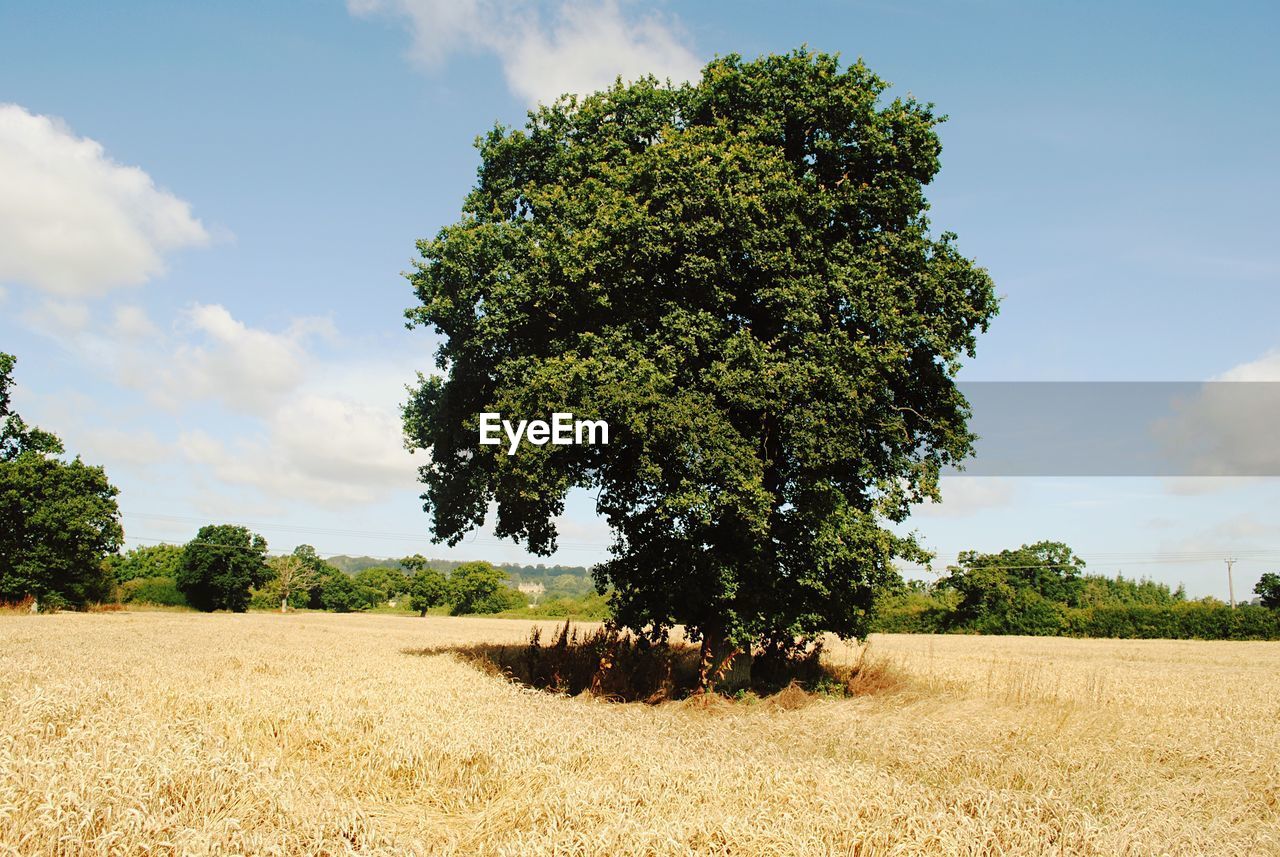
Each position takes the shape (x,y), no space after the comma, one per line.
(722,666)
(284,603)
(732,666)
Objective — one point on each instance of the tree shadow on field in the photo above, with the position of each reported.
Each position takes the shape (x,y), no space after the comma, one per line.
(619,667)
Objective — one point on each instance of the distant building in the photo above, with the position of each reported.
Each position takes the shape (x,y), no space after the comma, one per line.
(533,590)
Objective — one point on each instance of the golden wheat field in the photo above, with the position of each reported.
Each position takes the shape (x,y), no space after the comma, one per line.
(175,733)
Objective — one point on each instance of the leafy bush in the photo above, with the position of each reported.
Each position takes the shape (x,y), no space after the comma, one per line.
(915,612)
(591,607)
(161,591)
(341,594)
(1208,619)
(150,561)
(501,600)
(1037,591)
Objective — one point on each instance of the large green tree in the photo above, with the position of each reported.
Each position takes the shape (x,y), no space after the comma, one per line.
(739,276)
(58,519)
(481,587)
(220,565)
(427,586)
(1020,591)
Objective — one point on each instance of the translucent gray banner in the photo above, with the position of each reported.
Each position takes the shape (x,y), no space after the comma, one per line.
(1216,428)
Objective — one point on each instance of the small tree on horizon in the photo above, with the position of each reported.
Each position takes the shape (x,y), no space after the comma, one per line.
(428,587)
(292,576)
(220,565)
(479,587)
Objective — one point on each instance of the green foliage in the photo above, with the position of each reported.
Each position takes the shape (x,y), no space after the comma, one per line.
(556,577)
(427,587)
(150,561)
(387,582)
(16,437)
(161,591)
(58,519)
(1102,591)
(1268,590)
(1016,591)
(1037,590)
(568,586)
(220,565)
(57,522)
(591,607)
(339,593)
(265,597)
(317,572)
(479,587)
(738,275)
(915,611)
(1208,619)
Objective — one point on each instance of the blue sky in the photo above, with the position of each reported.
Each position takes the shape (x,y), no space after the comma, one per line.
(205,210)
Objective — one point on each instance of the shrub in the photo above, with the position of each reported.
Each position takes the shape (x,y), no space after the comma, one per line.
(340,594)
(1190,620)
(161,591)
(591,607)
(914,613)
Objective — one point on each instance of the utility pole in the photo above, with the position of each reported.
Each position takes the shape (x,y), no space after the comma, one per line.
(1231,586)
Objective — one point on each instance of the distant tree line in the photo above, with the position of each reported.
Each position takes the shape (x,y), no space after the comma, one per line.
(226,567)
(565,581)
(1042,590)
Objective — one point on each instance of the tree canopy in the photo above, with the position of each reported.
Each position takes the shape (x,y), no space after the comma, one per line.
(58,519)
(146,561)
(739,276)
(480,587)
(1268,590)
(16,437)
(220,565)
(1024,589)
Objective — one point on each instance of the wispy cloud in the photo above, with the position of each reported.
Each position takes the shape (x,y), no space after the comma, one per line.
(545,52)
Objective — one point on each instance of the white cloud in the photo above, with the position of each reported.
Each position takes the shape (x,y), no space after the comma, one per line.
(132,322)
(1197,486)
(323,431)
(323,450)
(285,415)
(139,449)
(1265,368)
(247,369)
(1227,428)
(73,222)
(580,47)
(58,319)
(968,495)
